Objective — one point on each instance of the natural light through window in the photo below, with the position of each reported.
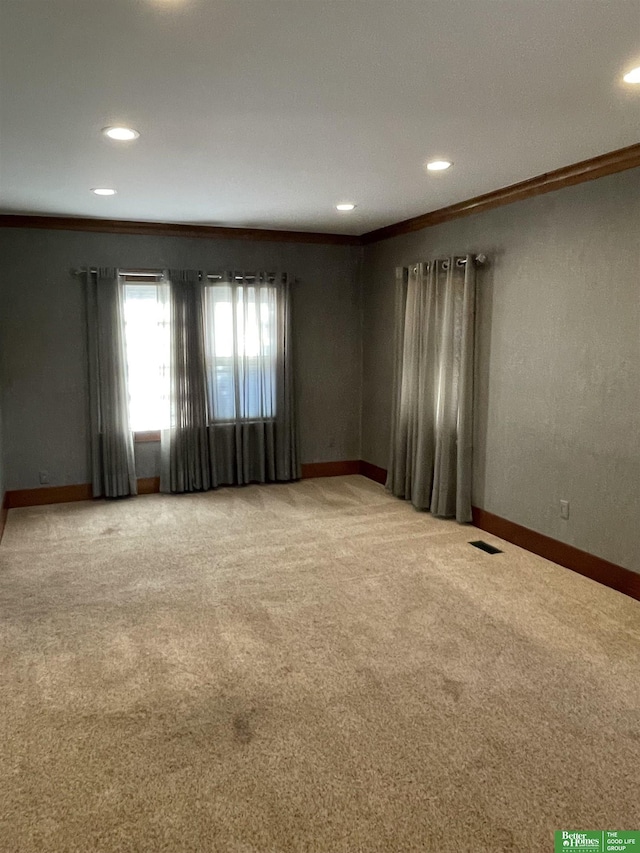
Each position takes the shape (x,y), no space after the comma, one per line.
(241,345)
(148,356)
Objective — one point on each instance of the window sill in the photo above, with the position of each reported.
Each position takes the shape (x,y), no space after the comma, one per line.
(151,435)
(154,435)
(242,422)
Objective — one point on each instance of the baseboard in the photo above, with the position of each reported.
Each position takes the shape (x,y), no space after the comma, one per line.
(330,469)
(68,494)
(609,574)
(148,485)
(48,495)
(373,472)
(4,509)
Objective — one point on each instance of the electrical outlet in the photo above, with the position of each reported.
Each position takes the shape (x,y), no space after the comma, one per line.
(44,478)
(564,509)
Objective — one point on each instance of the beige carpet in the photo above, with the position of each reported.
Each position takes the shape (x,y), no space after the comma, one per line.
(305,667)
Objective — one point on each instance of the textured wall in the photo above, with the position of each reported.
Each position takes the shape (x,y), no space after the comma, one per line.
(3,462)
(558,359)
(2,459)
(44,354)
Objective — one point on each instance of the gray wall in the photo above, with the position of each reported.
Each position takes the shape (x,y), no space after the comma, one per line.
(558,359)
(3,312)
(43,358)
(2,459)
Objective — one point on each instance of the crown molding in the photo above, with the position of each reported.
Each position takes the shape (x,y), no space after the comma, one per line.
(162,229)
(577,173)
(586,170)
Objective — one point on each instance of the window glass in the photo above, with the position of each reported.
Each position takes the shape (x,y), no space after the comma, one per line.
(146,315)
(240,322)
(240,343)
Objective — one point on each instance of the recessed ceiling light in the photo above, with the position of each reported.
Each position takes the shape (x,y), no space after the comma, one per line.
(103,191)
(122,134)
(632,76)
(346,205)
(439,165)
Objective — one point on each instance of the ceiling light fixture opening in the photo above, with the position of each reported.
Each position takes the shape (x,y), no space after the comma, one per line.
(439,165)
(632,76)
(345,206)
(103,191)
(121,134)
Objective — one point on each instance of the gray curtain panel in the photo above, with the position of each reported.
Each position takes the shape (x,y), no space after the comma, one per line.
(253,434)
(430,457)
(232,400)
(112,459)
(185,459)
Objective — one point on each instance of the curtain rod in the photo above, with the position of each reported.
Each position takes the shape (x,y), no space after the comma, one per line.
(142,274)
(478,260)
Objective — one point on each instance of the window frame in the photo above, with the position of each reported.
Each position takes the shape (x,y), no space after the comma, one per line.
(151,278)
(210,358)
(149,435)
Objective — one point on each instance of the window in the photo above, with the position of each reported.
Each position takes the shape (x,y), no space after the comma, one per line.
(240,347)
(147,338)
(240,343)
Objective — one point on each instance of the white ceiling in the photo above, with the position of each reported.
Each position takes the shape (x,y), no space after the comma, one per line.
(265,113)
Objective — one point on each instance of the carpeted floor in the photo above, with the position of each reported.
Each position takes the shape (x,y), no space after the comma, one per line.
(304,667)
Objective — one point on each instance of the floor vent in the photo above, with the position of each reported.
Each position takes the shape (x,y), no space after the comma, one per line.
(484,546)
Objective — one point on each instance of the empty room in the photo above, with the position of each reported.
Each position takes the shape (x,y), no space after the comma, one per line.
(319,426)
